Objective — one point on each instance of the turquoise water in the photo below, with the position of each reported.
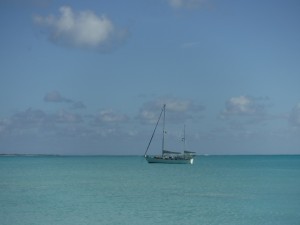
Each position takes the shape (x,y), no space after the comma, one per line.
(231,190)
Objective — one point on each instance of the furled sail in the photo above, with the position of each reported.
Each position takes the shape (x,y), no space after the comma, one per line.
(188,152)
(170,152)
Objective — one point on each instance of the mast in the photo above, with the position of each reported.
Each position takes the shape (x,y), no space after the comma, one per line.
(183,139)
(163,139)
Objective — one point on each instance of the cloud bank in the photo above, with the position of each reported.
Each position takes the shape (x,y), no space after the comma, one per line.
(84,29)
(245,115)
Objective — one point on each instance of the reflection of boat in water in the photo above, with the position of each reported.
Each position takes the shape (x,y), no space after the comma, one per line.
(169,157)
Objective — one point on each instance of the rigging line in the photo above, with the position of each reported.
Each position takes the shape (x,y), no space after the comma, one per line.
(154,131)
(164,132)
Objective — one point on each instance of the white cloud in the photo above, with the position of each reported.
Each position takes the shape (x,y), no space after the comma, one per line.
(28,118)
(63,126)
(84,29)
(147,115)
(109,116)
(178,110)
(67,117)
(244,106)
(78,105)
(55,96)
(37,122)
(186,4)
(294,117)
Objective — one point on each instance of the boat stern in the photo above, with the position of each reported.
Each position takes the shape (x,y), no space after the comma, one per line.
(191,160)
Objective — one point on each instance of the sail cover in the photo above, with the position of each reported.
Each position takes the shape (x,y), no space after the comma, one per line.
(188,152)
(170,152)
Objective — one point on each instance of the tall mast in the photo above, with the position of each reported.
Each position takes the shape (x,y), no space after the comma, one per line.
(163,139)
(183,138)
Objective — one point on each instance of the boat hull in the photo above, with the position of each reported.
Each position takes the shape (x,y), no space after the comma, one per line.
(169,160)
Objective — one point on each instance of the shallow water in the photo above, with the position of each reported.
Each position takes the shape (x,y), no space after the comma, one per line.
(126,190)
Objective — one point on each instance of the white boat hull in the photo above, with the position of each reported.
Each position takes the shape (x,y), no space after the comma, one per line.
(151,159)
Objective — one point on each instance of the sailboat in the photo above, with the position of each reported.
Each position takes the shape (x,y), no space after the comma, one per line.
(169,157)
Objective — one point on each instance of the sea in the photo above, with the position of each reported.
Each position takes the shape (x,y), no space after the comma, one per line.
(126,190)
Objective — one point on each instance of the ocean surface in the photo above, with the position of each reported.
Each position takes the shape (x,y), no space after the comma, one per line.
(86,190)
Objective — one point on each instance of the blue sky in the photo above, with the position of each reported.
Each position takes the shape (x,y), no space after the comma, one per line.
(90,77)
